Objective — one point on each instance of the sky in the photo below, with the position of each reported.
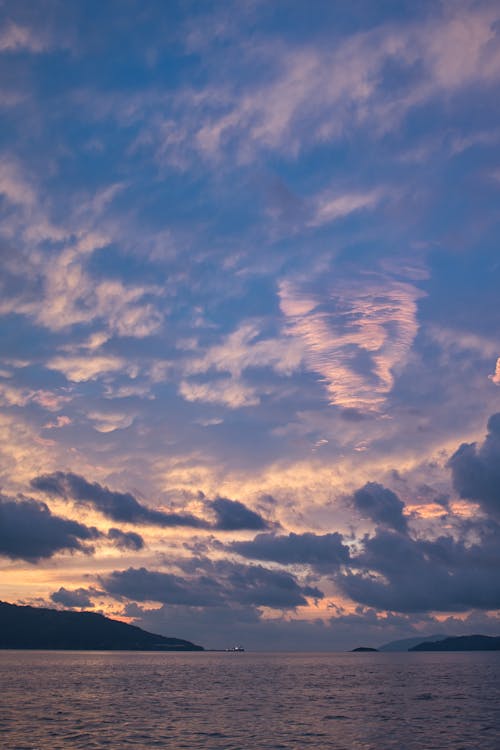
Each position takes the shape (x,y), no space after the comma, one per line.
(250,355)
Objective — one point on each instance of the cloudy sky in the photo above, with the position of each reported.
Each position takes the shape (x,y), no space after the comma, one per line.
(250,273)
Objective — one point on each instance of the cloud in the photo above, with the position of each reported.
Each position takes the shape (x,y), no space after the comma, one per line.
(15,185)
(244,348)
(120,506)
(71,599)
(64,292)
(60,421)
(26,223)
(381,505)
(496,375)
(253,584)
(81,369)
(228,392)
(72,295)
(476,469)
(317,93)
(140,584)
(321,551)
(233,515)
(330,207)
(401,574)
(356,335)
(126,539)
(456,341)
(454,572)
(110,421)
(29,531)
(17,38)
(218,627)
(239,351)
(226,583)
(463,50)
(11,395)
(483,138)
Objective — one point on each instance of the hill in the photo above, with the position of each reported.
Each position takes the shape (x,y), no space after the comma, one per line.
(405,644)
(37,628)
(462,643)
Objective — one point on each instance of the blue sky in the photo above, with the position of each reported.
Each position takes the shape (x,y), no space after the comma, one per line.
(250,251)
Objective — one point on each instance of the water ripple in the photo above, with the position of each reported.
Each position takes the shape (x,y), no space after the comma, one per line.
(92,701)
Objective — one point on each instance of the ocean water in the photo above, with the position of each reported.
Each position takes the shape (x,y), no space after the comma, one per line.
(230,701)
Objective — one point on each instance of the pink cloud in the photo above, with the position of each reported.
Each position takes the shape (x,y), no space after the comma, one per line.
(356,337)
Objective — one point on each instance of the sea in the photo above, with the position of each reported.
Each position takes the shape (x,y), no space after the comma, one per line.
(244,701)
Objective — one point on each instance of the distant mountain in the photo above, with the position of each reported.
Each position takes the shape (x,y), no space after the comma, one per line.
(36,628)
(406,644)
(462,643)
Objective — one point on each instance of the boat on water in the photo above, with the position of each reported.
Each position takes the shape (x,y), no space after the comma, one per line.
(233,649)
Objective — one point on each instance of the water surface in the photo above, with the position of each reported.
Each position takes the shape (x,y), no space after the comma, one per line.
(219,701)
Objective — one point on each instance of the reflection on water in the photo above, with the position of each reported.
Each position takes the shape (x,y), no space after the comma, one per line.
(219,701)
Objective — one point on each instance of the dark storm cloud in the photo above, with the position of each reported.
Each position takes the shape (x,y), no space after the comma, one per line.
(229,584)
(232,515)
(318,550)
(253,584)
(452,573)
(119,506)
(398,573)
(143,585)
(476,469)
(75,598)
(29,531)
(126,539)
(379,504)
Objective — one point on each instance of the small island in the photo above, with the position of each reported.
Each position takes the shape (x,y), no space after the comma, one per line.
(52,629)
(363,649)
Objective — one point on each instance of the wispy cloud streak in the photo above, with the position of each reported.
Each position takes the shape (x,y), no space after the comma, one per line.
(356,335)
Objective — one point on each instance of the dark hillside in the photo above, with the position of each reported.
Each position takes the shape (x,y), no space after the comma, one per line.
(36,628)
(462,643)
